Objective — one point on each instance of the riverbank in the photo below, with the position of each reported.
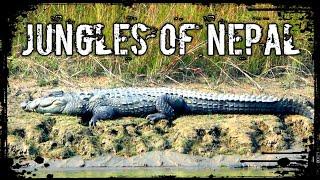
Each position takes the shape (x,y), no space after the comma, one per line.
(66,142)
(61,136)
(159,163)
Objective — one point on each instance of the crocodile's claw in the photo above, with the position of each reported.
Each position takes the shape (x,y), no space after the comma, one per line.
(152,118)
(93,123)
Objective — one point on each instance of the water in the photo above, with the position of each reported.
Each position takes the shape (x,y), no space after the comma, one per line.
(151,172)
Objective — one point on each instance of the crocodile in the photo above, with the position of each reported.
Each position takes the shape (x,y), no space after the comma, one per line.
(160,103)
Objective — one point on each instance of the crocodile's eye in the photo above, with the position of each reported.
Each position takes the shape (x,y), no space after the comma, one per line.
(56,94)
(57,103)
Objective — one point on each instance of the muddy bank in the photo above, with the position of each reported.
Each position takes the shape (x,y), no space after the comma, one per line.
(62,137)
(160,159)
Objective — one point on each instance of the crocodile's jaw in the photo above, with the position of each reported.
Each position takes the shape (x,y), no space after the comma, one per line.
(59,103)
(45,105)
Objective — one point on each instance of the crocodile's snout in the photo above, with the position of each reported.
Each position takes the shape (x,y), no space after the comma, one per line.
(46,104)
(28,105)
(24,104)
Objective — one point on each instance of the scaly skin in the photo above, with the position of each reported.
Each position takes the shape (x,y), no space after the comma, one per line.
(160,103)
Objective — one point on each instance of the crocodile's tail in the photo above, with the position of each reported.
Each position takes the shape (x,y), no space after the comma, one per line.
(249,104)
(289,106)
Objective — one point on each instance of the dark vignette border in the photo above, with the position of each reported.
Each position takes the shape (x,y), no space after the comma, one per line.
(8,19)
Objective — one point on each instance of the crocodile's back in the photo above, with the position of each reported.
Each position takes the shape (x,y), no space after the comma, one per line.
(142,101)
(153,92)
(137,101)
(129,101)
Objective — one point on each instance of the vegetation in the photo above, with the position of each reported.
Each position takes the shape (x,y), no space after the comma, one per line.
(153,65)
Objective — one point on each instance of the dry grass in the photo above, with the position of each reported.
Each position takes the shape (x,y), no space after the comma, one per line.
(153,64)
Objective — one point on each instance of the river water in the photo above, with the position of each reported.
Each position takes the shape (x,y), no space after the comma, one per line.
(152,172)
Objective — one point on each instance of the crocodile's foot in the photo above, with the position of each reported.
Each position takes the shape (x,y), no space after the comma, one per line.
(93,123)
(153,118)
(101,113)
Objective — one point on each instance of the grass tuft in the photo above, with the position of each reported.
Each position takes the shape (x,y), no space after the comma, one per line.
(153,65)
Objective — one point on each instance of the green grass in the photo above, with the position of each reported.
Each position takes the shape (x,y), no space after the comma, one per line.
(153,64)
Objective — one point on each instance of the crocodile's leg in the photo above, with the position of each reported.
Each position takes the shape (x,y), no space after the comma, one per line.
(167,107)
(101,113)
